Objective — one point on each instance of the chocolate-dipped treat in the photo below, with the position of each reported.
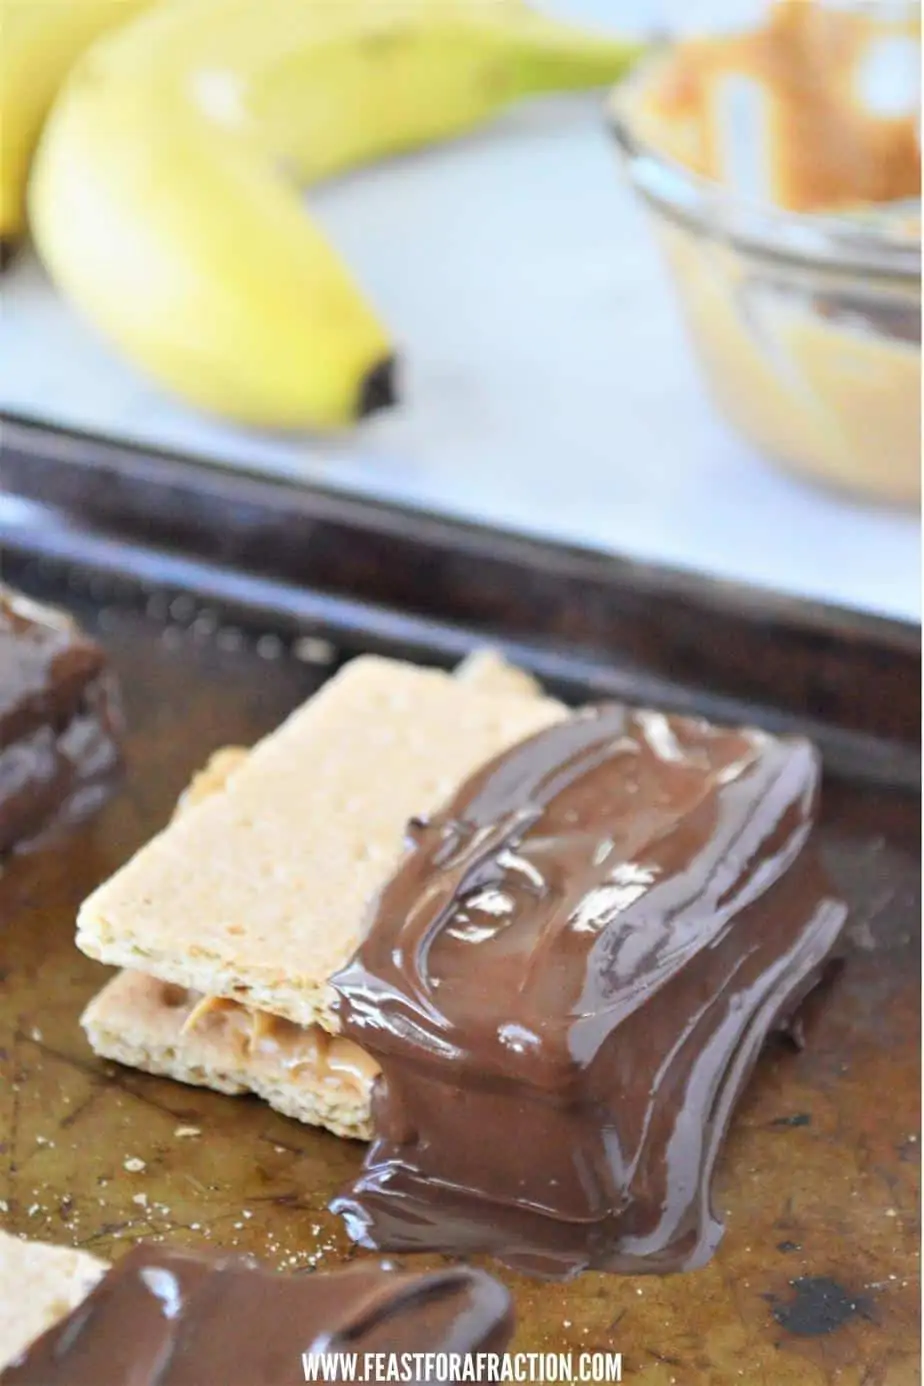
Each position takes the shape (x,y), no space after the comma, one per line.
(172,1318)
(567,983)
(59,721)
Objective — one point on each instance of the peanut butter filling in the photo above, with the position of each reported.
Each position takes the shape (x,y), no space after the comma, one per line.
(300,1050)
(815,361)
(826,143)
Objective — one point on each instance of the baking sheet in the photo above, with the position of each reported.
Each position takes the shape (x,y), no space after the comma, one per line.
(549,388)
(816,1282)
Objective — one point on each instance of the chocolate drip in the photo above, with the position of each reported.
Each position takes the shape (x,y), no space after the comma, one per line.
(170,1318)
(59,721)
(567,983)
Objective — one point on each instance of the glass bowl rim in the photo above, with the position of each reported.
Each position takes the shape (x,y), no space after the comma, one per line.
(807,240)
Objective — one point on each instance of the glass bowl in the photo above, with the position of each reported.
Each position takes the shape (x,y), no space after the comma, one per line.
(807,326)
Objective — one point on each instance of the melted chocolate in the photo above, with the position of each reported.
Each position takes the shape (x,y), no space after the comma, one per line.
(170,1318)
(567,983)
(59,721)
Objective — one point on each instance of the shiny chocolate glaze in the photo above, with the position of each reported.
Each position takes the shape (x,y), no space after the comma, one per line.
(171,1318)
(59,721)
(567,983)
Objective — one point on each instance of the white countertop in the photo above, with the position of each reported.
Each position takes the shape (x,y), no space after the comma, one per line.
(549,387)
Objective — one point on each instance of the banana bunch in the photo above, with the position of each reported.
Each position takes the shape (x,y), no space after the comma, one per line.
(165,195)
(39,42)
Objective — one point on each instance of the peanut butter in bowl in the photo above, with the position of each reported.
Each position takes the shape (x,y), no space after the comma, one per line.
(782,165)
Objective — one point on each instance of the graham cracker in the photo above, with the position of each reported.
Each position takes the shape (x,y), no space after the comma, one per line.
(301,1071)
(259,891)
(488,671)
(167,1030)
(213,776)
(145,1023)
(484,669)
(39,1284)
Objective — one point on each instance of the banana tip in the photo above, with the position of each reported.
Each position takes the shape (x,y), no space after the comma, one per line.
(379,388)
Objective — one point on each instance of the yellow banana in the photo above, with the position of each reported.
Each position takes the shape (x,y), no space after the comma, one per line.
(39,41)
(164,198)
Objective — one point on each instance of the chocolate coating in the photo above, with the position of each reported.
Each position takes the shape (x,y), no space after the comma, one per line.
(171,1318)
(59,721)
(567,983)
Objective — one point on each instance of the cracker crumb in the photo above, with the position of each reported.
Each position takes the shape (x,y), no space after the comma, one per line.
(134,1165)
(187,1132)
(312,649)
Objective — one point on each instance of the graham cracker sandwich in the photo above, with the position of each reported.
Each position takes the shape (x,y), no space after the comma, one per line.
(39,1284)
(167,1315)
(231,922)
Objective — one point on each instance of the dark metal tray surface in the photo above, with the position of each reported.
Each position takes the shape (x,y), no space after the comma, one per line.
(641,628)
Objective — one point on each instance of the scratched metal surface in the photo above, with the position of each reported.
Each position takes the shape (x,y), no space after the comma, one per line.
(817,1280)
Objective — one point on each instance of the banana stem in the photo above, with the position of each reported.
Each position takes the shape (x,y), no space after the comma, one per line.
(550,56)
